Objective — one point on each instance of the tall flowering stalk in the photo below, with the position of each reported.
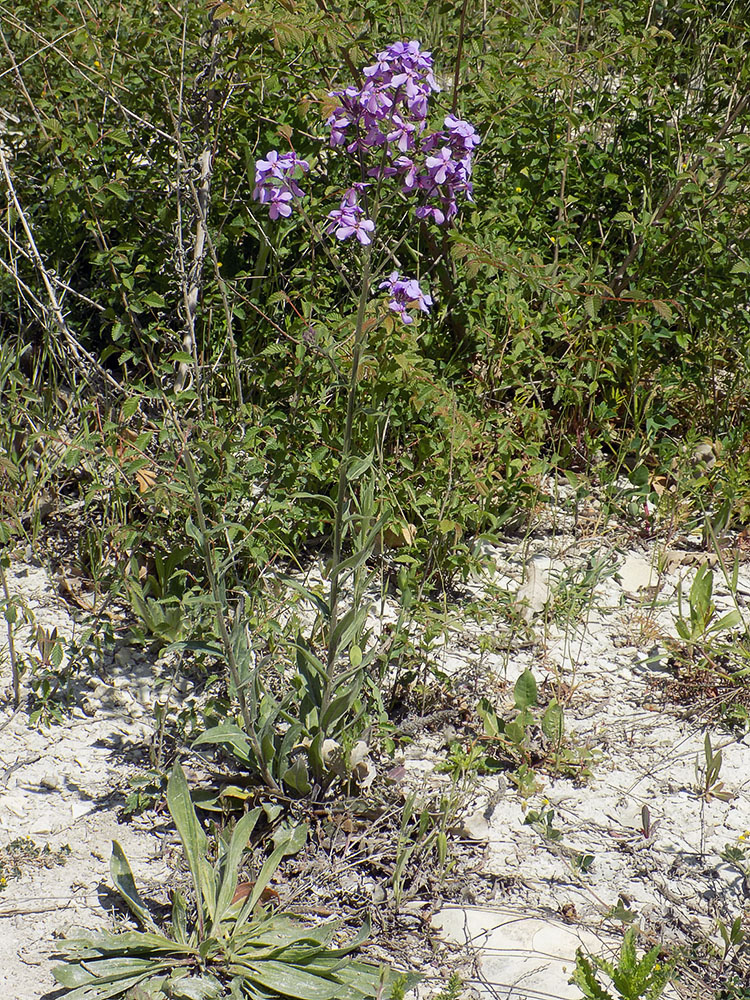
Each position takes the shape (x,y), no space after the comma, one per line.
(382,125)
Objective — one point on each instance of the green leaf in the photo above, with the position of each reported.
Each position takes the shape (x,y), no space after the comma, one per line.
(701,591)
(228,735)
(122,876)
(156,301)
(193,532)
(194,841)
(493,724)
(179,917)
(297,777)
(291,982)
(231,861)
(204,987)
(292,844)
(95,945)
(129,407)
(358,466)
(104,988)
(585,978)
(525,692)
(728,621)
(628,960)
(118,190)
(553,722)
(195,646)
(339,707)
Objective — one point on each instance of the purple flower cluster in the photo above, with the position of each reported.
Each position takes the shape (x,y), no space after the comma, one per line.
(387,115)
(391,105)
(275,182)
(390,110)
(347,220)
(405,293)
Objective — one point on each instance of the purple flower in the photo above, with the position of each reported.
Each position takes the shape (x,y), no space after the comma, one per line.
(280,202)
(269,167)
(462,136)
(408,167)
(375,101)
(431,212)
(441,167)
(275,182)
(405,294)
(391,103)
(347,220)
(402,133)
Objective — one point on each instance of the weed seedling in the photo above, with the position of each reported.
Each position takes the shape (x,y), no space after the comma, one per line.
(533,739)
(701,625)
(707,775)
(634,979)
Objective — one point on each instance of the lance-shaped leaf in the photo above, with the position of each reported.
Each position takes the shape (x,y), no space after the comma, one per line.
(194,842)
(122,876)
(230,864)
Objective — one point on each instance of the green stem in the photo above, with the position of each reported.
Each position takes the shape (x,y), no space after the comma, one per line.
(226,640)
(11,642)
(342,492)
(261,259)
(459,53)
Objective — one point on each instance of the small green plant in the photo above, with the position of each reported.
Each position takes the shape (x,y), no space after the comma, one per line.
(633,978)
(733,937)
(574,590)
(50,679)
(543,822)
(146,789)
(701,624)
(23,856)
(10,608)
(463,760)
(421,834)
(734,990)
(707,775)
(452,989)
(737,858)
(533,739)
(224,944)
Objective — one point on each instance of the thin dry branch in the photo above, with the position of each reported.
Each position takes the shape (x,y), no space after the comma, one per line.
(78,352)
(37,260)
(192,276)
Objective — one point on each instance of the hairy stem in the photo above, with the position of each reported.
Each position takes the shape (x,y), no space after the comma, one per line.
(342,491)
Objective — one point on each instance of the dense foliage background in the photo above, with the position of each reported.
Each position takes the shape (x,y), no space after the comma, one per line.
(593,297)
(591,304)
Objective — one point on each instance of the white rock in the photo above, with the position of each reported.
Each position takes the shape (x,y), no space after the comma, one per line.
(520,955)
(637,573)
(79,809)
(475,827)
(536,588)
